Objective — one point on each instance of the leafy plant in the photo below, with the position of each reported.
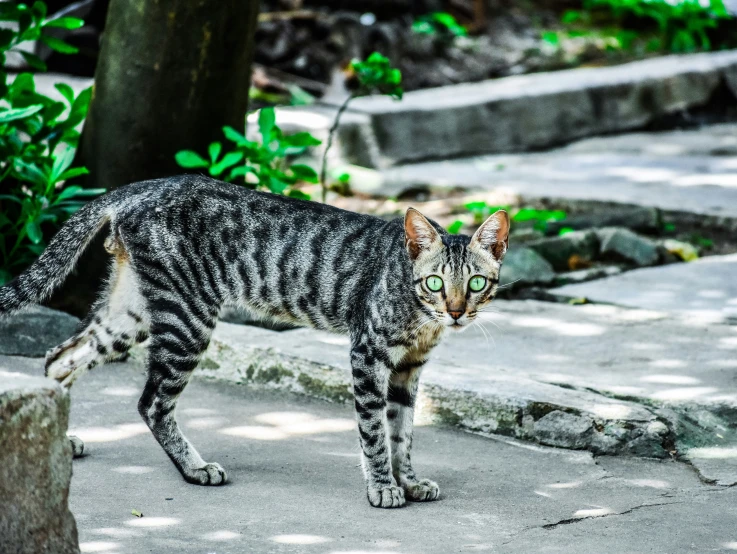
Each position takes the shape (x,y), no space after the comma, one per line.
(438,23)
(257,164)
(539,218)
(38,138)
(455,227)
(375,75)
(675,25)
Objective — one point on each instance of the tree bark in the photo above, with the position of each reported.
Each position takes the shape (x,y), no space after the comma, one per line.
(171,73)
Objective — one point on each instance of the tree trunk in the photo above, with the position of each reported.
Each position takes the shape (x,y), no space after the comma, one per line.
(171,73)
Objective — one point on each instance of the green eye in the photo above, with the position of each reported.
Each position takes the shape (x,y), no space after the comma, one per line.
(434,283)
(477,283)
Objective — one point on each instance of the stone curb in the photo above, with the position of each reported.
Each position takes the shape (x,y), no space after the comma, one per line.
(519,408)
(519,113)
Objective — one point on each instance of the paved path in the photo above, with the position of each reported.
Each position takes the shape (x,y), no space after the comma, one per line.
(296,486)
(694,171)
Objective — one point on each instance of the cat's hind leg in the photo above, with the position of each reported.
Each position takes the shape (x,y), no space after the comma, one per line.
(180,333)
(116,322)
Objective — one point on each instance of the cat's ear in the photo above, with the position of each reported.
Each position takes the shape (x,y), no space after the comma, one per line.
(419,234)
(493,235)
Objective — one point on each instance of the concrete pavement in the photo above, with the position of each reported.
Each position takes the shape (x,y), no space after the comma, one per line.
(296,485)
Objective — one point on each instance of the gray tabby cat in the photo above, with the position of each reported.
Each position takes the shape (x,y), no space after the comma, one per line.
(183,247)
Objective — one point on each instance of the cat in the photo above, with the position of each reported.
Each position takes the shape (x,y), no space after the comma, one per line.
(182,247)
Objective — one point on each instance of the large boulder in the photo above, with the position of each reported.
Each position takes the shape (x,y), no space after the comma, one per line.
(35,467)
(623,245)
(525,267)
(32,332)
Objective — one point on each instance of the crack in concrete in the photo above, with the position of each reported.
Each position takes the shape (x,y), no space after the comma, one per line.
(569,521)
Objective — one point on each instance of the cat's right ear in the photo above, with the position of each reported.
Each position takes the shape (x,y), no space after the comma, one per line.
(419,234)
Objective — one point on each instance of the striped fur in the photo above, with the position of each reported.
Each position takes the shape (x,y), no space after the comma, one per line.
(183,247)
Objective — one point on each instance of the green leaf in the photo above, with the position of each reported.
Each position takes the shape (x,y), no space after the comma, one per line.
(301,139)
(242,171)
(62,161)
(59,45)
(33,230)
(552,38)
(19,113)
(298,194)
(190,159)
(6,38)
(233,135)
(31,173)
(214,151)
(68,192)
(304,173)
(66,91)
(65,23)
(455,227)
(79,108)
(9,11)
(266,124)
(72,173)
(229,160)
(565,230)
(570,16)
(276,185)
(39,10)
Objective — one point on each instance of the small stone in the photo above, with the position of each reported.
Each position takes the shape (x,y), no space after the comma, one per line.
(563,430)
(583,275)
(624,245)
(525,267)
(683,250)
(34,331)
(559,250)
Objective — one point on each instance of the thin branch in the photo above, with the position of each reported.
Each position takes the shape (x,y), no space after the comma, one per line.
(323,170)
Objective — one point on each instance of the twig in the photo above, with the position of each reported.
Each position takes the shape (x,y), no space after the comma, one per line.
(323,170)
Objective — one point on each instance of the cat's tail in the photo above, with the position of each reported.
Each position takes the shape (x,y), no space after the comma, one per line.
(51,269)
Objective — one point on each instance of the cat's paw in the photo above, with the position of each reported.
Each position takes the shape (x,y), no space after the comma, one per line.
(386,497)
(210,475)
(422,491)
(77,446)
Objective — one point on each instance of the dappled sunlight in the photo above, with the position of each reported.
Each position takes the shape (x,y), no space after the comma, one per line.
(198,412)
(553,358)
(222,535)
(625,390)
(728,180)
(593,512)
(109,434)
(670,379)
(668,363)
(713,453)
(727,343)
(299,539)
(651,483)
(364,552)
(115,532)
(206,422)
(545,494)
(640,174)
(561,327)
(611,411)
(153,522)
(336,340)
(642,346)
(730,545)
(283,425)
(686,393)
(134,470)
(569,485)
(120,391)
(97,546)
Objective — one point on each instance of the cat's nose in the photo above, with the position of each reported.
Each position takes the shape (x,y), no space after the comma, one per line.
(455,314)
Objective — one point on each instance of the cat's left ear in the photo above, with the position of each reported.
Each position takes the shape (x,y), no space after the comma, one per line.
(493,235)
(419,233)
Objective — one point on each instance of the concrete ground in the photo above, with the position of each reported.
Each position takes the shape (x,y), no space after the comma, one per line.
(296,485)
(683,170)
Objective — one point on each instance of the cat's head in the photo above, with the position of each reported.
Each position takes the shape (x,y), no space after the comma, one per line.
(455,276)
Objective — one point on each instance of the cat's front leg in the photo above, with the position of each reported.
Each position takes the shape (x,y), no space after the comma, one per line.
(400,416)
(371,369)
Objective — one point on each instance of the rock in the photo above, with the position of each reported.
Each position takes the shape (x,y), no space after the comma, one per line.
(563,430)
(636,218)
(623,245)
(36,462)
(558,250)
(32,332)
(682,250)
(525,267)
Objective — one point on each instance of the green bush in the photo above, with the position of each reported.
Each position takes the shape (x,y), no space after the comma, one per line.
(38,138)
(675,26)
(266,162)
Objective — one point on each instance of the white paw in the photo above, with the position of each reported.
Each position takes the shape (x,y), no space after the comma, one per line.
(210,475)
(422,491)
(386,497)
